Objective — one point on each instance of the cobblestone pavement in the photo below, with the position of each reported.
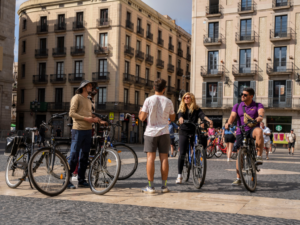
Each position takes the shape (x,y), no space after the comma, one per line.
(275,181)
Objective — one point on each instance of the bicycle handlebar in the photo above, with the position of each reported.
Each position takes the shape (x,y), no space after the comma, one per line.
(59,115)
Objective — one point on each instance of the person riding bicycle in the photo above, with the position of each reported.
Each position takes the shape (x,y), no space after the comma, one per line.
(81,113)
(211,133)
(172,127)
(245,111)
(188,110)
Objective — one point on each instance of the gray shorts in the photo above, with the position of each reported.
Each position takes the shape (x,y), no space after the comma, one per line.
(162,143)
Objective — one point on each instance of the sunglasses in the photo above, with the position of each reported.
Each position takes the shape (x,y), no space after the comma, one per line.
(187,98)
(245,95)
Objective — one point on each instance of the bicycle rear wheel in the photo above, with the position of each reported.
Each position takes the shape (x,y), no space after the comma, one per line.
(210,151)
(273,148)
(247,170)
(47,180)
(129,161)
(186,169)
(104,171)
(199,167)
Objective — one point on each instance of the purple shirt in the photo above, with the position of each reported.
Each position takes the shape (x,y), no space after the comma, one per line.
(251,110)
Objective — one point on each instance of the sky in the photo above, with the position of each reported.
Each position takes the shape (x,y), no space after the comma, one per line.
(180,10)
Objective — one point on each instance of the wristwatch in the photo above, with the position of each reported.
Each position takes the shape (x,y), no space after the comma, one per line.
(261,116)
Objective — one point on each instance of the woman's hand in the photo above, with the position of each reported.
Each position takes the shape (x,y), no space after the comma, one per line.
(181,120)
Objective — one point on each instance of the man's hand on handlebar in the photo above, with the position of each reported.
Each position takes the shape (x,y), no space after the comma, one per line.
(102,122)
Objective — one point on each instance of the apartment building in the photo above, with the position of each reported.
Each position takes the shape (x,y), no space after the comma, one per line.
(245,43)
(14,96)
(120,44)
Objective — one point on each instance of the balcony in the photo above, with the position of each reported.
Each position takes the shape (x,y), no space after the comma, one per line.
(76,77)
(129,25)
(170,68)
(160,42)
(60,27)
(139,81)
(281,4)
(118,107)
(281,35)
(140,31)
(59,52)
(103,22)
(149,36)
(139,55)
(171,48)
(212,102)
(40,79)
(179,72)
(280,68)
(171,90)
(281,102)
(58,78)
(244,70)
(78,25)
(101,77)
(160,64)
(77,51)
(244,38)
(212,71)
(210,41)
(247,7)
(149,59)
(213,11)
(180,52)
(42,107)
(188,76)
(101,50)
(128,78)
(149,84)
(42,29)
(188,57)
(58,106)
(41,53)
(129,51)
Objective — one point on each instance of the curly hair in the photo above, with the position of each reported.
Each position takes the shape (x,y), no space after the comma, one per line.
(182,106)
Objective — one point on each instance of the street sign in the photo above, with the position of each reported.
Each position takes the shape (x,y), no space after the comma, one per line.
(122,116)
(111,116)
(133,118)
(278,128)
(137,121)
(133,124)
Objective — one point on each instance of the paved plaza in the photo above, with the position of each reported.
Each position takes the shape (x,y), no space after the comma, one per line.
(276,200)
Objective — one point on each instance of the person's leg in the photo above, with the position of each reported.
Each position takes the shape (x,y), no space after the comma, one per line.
(163,149)
(293,147)
(172,150)
(289,148)
(257,134)
(229,149)
(150,165)
(267,153)
(239,141)
(184,147)
(84,154)
(150,147)
(270,149)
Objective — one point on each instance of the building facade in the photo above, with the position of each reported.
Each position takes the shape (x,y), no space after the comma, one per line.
(122,45)
(7,25)
(243,43)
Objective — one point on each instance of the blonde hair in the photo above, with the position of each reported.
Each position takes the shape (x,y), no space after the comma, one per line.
(182,106)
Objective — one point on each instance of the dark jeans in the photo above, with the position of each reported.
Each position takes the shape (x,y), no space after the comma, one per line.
(184,149)
(80,147)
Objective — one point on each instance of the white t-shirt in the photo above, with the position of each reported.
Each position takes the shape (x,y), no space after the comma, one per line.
(291,137)
(159,108)
(266,137)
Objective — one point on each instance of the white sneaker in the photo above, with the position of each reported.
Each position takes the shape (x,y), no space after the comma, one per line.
(75,178)
(148,190)
(179,180)
(164,189)
(228,160)
(270,152)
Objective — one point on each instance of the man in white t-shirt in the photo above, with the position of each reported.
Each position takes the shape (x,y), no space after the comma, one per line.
(291,139)
(267,134)
(157,109)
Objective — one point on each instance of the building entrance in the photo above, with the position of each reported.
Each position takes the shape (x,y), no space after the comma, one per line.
(217,121)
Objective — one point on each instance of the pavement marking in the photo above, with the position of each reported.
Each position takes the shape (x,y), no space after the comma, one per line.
(271,172)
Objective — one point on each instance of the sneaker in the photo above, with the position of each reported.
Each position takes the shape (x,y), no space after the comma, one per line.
(71,186)
(84,184)
(164,189)
(289,153)
(267,158)
(179,180)
(148,190)
(259,160)
(292,153)
(171,156)
(75,178)
(237,182)
(228,160)
(270,152)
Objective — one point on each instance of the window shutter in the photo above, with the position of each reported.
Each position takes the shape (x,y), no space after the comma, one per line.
(253,86)
(220,94)
(204,94)
(235,92)
(270,93)
(289,93)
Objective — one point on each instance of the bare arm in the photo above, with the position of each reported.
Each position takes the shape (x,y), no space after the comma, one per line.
(142,115)
(261,114)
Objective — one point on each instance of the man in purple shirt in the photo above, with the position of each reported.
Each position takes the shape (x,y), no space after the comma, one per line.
(255,111)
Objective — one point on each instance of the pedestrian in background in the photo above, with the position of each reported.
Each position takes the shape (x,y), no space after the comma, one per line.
(267,134)
(229,139)
(172,127)
(291,139)
(58,132)
(271,141)
(36,136)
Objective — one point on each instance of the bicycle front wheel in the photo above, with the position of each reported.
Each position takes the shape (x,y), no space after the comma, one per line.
(49,175)
(199,167)
(104,171)
(186,169)
(247,170)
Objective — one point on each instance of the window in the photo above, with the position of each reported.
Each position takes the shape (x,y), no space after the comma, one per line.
(179,45)
(79,19)
(280,59)
(159,34)
(22,96)
(102,67)
(43,44)
(279,94)
(128,16)
(103,40)
(126,67)
(23,46)
(104,15)
(158,75)
(59,70)
(138,45)
(78,69)
(148,50)
(178,84)
(170,59)
(179,63)
(159,54)
(125,96)
(281,26)
(127,40)
(41,95)
(61,45)
(170,40)
(213,31)
(187,68)
(42,70)
(58,97)
(146,95)
(246,5)
(79,41)
(245,61)
(212,93)
(246,29)
(102,96)
(169,81)
(280,3)
(43,22)
(147,75)
(136,97)
(148,29)
(187,87)
(61,21)
(24,24)
(139,24)
(188,49)
(23,70)
(137,71)
(212,67)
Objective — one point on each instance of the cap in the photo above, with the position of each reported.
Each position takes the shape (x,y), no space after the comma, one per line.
(292,129)
(169,119)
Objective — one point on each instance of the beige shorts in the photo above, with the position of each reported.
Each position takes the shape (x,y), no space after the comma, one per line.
(267,144)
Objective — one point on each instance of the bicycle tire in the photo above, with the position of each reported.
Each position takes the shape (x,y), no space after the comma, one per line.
(246,164)
(218,153)
(124,161)
(64,177)
(273,148)
(186,169)
(210,151)
(64,151)
(198,168)
(94,167)
(233,155)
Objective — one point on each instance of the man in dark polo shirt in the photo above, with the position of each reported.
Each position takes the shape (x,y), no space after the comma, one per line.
(255,111)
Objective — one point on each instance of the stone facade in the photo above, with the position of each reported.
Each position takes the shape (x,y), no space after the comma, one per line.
(124,68)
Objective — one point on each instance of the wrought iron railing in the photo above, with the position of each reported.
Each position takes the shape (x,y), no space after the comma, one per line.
(160,41)
(128,78)
(140,31)
(59,52)
(79,25)
(129,51)
(216,39)
(213,9)
(180,52)
(240,69)
(212,70)
(245,37)
(129,25)
(57,78)
(188,57)
(139,55)
(245,6)
(171,47)
(140,81)
(41,53)
(149,36)
(280,67)
(76,77)
(281,3)
(103,22)
(160,64)
(77,50)
(101,50)
(58,106)
(42,28)
(149,59)
(283,33)
(170,68)
(179,72)
(100,76)
(39,79)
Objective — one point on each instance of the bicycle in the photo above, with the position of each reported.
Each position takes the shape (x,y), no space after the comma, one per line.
(195,160)
(273,148)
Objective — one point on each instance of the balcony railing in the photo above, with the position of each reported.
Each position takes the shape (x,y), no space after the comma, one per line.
(170,68)
(43,107)
(40,79)
(79,25)
(117,107)
(281,4)
(139,55)
(101,77)
(60,27)
(180,52)
(41,53)
(42,29)
(245,7)
(58,78)
(188,57)
(212,102)
(281,102)
(160,41)
(149,59)
(128,78)
(149,84)
(188,76)
(215,70)
(244,69)
(101,50)
(213,10)
(160,64)
(103,22)
(58,106)
(77,50)
(171,48)
(278,68)
(140,31)
(140,81)
(171,90)
(214,40)
(245,38)
(129,51)
(283,35)
(59,52)
(76,77)
(129,25)
(179,72)
(149,36)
